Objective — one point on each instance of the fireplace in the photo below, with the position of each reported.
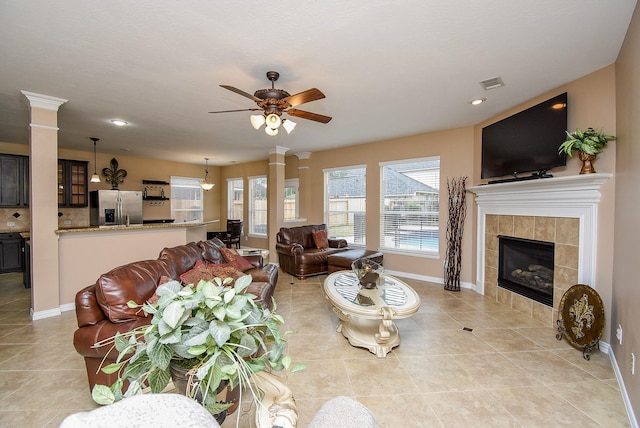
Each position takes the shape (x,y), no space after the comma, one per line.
(562,210)
(525,266)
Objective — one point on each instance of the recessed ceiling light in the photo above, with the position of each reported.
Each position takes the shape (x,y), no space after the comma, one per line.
(119,122)
(478,101)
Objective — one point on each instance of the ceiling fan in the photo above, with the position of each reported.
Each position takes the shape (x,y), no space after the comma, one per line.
(273,102)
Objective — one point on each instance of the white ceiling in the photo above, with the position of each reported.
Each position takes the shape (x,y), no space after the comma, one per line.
(387,68)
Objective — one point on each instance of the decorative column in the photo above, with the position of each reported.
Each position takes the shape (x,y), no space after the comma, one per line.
(304,183)
(43,203)
(275,201)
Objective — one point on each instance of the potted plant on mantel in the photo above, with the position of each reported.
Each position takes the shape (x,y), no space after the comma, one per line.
(588,144)
(214,332)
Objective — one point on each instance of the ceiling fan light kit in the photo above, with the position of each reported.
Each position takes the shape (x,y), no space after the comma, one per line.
(273,121)
(273,102)
(271,131)
(288,125)
(257,120)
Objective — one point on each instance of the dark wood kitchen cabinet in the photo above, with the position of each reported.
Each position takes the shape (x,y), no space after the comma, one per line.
(14,181)
(11,252)
(73,189)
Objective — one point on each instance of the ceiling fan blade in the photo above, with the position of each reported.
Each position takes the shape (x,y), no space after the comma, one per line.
(308,115)
(241,92)
(304,97)
(232,111)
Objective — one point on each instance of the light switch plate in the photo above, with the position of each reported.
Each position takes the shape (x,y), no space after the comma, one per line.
(11,224)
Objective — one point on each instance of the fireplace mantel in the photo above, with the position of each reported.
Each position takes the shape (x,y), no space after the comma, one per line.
(575,196)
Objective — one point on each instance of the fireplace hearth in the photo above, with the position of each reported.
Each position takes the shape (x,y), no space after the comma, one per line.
(525,266)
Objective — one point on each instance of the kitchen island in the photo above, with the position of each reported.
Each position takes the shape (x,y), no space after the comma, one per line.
(88,252)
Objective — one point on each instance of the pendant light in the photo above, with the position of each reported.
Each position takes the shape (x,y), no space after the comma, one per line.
(95,178)
(206,184)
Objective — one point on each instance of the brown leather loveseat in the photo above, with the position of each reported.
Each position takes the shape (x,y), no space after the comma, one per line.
(101,308)
(300,255)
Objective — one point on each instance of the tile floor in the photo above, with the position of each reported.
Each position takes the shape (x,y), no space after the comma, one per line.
(508,372)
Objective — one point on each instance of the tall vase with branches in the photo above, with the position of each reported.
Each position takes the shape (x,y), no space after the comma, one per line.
(455,228)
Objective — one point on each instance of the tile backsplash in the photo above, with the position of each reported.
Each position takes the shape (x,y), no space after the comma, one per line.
(14,219)
(19,219)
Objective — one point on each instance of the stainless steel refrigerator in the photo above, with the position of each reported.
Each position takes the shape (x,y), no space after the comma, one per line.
(115,207)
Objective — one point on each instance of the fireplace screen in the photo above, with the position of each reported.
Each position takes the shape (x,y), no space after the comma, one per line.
(525,267)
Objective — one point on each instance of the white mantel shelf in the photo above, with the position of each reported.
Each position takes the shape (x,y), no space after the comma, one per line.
(575,196)
(562,190)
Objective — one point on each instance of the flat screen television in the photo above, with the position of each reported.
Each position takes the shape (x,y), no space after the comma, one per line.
(527,141)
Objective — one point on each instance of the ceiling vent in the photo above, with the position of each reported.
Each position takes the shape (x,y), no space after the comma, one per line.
(493,83)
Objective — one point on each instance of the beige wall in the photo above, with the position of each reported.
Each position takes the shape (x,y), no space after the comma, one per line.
(138,169)
(591,102)
(245,170)
(455,148)
(626,288)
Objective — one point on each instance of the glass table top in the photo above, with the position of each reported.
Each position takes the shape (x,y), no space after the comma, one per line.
(347,286)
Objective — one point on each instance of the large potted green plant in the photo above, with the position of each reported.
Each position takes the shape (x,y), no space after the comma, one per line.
(214,332)
(588,144)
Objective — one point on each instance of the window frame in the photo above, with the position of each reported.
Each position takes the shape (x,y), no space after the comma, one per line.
(195,184)
(292,183)
(252,208)
(232,211)
(358,233)
(428,214)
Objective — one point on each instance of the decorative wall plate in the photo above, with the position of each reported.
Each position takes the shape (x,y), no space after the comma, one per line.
(581,319)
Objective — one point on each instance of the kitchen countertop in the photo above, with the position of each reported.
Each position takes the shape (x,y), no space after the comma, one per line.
(132,227)
(21,232)
(27,233)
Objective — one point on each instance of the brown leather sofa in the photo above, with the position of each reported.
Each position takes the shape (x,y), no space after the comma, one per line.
(298,254)
(101,308)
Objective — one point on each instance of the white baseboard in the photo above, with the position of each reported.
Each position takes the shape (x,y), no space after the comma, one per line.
(68,307)
(52,312)
(436,280)
(45,314)
(633,422)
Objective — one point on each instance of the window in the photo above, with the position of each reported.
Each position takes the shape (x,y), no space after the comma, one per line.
(345,203)
(291,209)
(186,199)
(410,205)
(235,198)
(258,205)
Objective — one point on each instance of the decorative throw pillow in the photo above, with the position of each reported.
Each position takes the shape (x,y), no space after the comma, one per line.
(195,274)
(320,239)
(232,256)
(224,271)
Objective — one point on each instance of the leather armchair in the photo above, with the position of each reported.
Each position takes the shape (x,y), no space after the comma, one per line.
(298,254)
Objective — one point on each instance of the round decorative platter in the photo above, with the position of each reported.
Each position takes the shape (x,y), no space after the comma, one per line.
(581,319)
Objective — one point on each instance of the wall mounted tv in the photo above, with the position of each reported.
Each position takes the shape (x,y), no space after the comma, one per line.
(527,141)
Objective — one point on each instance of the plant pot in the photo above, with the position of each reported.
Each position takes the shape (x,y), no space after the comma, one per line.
(587,165)
(184,382)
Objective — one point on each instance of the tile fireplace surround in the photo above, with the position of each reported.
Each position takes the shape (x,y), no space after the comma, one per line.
(562,210)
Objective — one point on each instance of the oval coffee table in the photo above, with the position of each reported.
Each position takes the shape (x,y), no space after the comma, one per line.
(366,315)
